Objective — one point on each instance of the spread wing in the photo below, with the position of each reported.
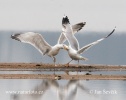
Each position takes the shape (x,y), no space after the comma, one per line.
(68,32)
(61,39)
(35,39)
(93,43)
(77,27)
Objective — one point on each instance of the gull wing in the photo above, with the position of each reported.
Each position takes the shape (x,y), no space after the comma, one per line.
(68,32)
(77,27)
(61,39)
(35,39)
(93,43)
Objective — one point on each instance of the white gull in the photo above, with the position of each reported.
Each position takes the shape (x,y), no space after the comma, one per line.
(73,49)
(37,40)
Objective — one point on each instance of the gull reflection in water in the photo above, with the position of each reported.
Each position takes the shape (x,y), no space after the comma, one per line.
(64,92)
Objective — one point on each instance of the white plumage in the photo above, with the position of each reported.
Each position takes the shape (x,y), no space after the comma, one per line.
(37,40)
(73,50)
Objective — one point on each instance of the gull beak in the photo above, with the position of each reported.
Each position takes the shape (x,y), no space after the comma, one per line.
(65,47)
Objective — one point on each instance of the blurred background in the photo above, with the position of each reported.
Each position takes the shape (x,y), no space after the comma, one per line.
(110,51)
(45,16)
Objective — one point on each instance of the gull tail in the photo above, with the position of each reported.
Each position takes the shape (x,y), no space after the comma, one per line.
(65,20)
(85,59)
(15,36)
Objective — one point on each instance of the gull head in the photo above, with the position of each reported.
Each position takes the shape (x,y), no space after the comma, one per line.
(65,47)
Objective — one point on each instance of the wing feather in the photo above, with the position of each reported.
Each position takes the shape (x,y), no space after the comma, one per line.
(35,39)
(93,43)
(77,27)
(68,32)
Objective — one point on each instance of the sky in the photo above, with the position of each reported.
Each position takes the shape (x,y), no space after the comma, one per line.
(46,15)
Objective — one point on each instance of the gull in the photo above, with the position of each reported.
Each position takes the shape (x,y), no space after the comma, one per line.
(37,40)
(73,49)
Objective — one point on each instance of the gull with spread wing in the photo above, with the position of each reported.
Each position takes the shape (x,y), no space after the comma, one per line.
(73,48)
(37,40)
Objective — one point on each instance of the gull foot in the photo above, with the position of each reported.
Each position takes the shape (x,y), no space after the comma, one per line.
(57,77)
(55,65)
(67,65)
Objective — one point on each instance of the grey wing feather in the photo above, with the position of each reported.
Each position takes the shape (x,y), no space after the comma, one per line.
(61,39)
(35,39)
(77,27)
(68,32)
(89,45)
(73,42)
(93,43)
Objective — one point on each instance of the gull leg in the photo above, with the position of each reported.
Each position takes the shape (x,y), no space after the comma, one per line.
(67,65)
(54,60)
(77,66)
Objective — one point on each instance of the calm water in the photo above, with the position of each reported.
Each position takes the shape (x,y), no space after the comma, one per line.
(26,89)
(109,51)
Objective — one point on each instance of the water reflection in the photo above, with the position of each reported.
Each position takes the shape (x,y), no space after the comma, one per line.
(62,89)
(66,92)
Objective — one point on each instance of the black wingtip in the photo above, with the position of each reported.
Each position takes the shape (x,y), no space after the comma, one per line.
(111,32)
(65,20)
(82,25)
(15,36)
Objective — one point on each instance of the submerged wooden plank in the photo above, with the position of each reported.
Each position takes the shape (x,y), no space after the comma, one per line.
(59,67)
(66,77)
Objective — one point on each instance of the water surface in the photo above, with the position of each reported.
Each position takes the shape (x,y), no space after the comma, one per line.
(36,89)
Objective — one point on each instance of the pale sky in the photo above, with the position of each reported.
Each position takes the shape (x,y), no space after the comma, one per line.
(46,15)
